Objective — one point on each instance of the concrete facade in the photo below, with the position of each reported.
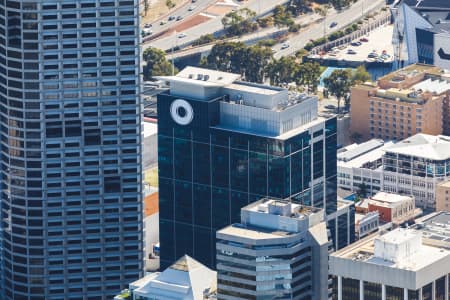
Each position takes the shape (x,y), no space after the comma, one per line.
(278,251)
(402,264)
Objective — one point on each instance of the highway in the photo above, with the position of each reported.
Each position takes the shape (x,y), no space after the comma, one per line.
(182,11)
(316,30)
(261,7)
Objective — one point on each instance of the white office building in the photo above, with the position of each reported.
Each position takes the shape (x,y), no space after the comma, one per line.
(415,166)
(360,164)
(404,264)
(278,251)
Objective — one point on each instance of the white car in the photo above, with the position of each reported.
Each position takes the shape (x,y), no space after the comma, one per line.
(182,35)
(191,8)
(285,45)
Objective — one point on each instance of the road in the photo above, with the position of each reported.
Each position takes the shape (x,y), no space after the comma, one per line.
(315,31)
(248,39)
(261,7)
(182,11)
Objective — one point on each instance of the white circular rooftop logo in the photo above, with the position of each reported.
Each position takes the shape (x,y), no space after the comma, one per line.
(181,112)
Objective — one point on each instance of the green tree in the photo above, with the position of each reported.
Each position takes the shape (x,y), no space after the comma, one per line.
(204,39)
(296,7)
(255,62)
(225,57)
(251,62)
(282,70)
(170,4)
(239,22)
(308,74)
(338,84)
(156,63)
(362,190)
(282,17)
(360,75)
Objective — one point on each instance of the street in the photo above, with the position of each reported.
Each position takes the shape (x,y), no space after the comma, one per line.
(315,31)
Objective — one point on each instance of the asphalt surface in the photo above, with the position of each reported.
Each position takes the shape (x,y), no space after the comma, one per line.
(315,31)
(261,7)
(182,11)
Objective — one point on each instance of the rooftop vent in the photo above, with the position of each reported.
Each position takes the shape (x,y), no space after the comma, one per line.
(191,76)
(199,76)
(206,77)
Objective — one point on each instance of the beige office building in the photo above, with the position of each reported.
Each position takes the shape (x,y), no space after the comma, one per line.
(443,196)
(401,104)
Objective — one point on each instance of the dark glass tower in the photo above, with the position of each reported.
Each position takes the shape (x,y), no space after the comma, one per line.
(223,144)
(70,148)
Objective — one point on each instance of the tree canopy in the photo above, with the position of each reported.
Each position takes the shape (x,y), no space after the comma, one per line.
(156,63)
(239,22)
(339,83)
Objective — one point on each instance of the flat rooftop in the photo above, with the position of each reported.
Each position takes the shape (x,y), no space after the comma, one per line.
(389,198)
(254,233)
(363,251)
(435,147)
(410,71)
(435,228)
(357,155)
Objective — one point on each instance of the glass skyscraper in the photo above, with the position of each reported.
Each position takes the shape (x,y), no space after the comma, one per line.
(223,144)
(70,148)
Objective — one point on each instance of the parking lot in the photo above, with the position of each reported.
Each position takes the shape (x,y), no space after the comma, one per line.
(375,47)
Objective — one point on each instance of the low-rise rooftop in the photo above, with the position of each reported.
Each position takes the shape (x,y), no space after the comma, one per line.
(435,147)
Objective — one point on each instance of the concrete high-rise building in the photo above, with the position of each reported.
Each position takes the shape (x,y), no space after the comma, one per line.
(224,143)
(71,148)
(404,264)
(408,101)
(279,250)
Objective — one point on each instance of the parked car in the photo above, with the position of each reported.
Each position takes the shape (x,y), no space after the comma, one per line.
(285,45)
(179,18)
(191,8)
(182,35)
(356,44)
(333,24)
(147,25)
(365,40)
(372,55)
(171,18)
(351,51)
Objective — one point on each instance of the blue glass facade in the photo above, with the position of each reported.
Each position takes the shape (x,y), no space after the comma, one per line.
(70,164)
(207,173)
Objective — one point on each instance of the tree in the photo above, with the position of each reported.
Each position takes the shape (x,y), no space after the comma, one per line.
(157,64)
(282,17)
(255,62)
(225,57)
(282,70)
(362,190)
(308,74)
(338,84)
(204,39)
(360,75)
(251,62)
(170,4)
(239,22)
(296,7)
